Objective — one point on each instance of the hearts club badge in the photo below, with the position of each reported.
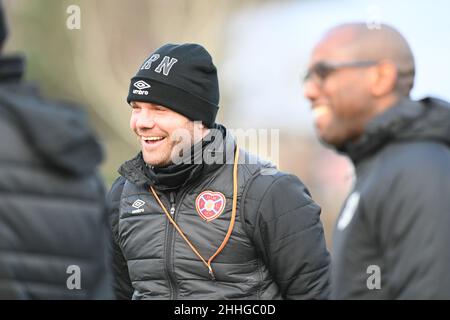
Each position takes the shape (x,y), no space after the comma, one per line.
(210,205)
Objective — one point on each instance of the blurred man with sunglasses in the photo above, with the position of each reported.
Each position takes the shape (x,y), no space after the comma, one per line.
(392,238)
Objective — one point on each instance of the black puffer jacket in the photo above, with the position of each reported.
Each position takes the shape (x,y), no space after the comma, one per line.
(276,251)
(392,240)
(52,211)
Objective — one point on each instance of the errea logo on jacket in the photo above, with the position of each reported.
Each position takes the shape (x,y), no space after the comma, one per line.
(165,65)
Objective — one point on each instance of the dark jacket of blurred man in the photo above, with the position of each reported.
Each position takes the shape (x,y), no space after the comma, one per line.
(54,232)
(392,238)
(215,223)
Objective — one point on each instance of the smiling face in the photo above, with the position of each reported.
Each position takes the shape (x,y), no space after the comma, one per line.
(341,102)
(157,129)
(354,75)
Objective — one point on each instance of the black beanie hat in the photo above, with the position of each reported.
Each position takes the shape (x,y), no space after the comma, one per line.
(182,78)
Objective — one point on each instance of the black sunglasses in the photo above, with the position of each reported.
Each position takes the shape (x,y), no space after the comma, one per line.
(323,69)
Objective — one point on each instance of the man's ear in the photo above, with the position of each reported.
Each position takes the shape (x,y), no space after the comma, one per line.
(384,79)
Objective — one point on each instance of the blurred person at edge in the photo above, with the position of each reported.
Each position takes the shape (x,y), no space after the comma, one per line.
(392,238)
(237,228)
(54,233)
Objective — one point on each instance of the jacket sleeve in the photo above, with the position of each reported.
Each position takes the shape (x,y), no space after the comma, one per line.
(413,222)
(123,288)
(285,225)
(103,290)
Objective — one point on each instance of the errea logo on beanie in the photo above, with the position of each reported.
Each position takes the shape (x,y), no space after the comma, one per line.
(180,77)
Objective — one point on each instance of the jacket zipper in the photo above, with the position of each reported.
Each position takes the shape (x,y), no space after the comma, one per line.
(170,268)
(172,204)
(170,280)
(169,236)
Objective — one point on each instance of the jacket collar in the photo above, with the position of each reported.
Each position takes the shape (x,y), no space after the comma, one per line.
(213,154)
(426,119)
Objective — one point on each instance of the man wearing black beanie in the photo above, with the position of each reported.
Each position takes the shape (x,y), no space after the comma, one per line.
(182,77)
(195,217)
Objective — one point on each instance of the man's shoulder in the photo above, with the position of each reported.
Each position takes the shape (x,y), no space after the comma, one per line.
(253,163)
(113,201)
(277,189)
(76,150)
(13,142)
(115,192)
(407,170)
(412,159)
(9,131)
(267,178)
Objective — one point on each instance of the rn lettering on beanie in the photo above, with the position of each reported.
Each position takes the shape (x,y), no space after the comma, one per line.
(180,77)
